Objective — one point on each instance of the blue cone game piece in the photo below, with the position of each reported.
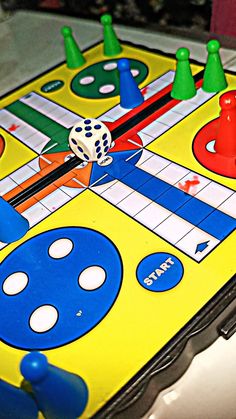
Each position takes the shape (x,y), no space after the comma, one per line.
(58,393)
(130,95)
(13,225)
(16,403)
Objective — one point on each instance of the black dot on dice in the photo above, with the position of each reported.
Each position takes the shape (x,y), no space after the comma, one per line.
(73,141)
(98,149)
(88,134)
(104,136)
(97,126)
(80,149)
(86,157)
(106,149)
(105,143)
(88,128)
(87,121)
(99,155)
(78,129)
(97,143)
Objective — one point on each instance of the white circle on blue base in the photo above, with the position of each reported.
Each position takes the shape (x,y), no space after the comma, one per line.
(159,272)
(57,286)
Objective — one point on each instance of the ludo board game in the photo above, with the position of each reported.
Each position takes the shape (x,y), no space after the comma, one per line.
(121,255)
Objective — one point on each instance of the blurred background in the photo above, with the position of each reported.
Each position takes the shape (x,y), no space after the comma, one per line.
(190,13)
(193,18)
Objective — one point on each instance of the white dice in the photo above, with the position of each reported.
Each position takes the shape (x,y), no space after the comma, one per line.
(90,140)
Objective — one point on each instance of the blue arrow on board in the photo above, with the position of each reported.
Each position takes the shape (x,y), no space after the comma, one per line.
(201,246)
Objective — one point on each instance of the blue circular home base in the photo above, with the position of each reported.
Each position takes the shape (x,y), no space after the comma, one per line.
(57,286)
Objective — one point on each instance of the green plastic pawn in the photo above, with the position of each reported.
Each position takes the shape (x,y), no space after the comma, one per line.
(183,86)
(214,77)
(112,46)
(74,57)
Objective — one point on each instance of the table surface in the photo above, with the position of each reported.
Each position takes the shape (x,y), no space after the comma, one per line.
(30,44)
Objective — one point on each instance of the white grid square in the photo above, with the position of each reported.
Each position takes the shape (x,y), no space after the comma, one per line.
(157,85)
(201,97)
(173,228)
(184,108)
(194,189)
(154,164)
(37,142)
(168,76)
(36,213)
(6,185)
(229,206)
(170,118)
(24,132)
(35,101)
(48,107)
(55,200)
(71,191)
(22,174)
(173,173)
(214,194)
(101,188)
(69,120)
(134,203)
(34,164)
(116,112)
(117,192)
(155,129)
(152,215)
(7,118)
(143,156)
(189,243)
(146,139)
(59,112)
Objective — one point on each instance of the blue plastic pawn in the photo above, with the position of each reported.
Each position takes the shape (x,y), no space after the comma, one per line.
(13,225)
(130,95)
(58,393)
(16,403)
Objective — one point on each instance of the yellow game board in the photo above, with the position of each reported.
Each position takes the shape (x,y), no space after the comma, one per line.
(118,258)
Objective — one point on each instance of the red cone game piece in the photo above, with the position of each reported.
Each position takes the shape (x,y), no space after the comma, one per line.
(215,144)
(226,137)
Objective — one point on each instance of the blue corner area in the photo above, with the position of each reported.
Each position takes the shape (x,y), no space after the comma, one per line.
(62,282)
(159,272)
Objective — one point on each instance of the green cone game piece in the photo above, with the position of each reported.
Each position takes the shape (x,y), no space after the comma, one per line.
(112,45)
(214,77)
(74,56)
(183,85)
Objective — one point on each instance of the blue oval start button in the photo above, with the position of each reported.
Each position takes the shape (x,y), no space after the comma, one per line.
(159,272)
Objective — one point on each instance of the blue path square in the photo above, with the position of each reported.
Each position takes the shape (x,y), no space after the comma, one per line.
(194,211)
(173,199)
(218,224)
(136,178)
(154,188)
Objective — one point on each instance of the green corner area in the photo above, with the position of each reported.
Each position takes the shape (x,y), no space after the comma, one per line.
(101,80)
